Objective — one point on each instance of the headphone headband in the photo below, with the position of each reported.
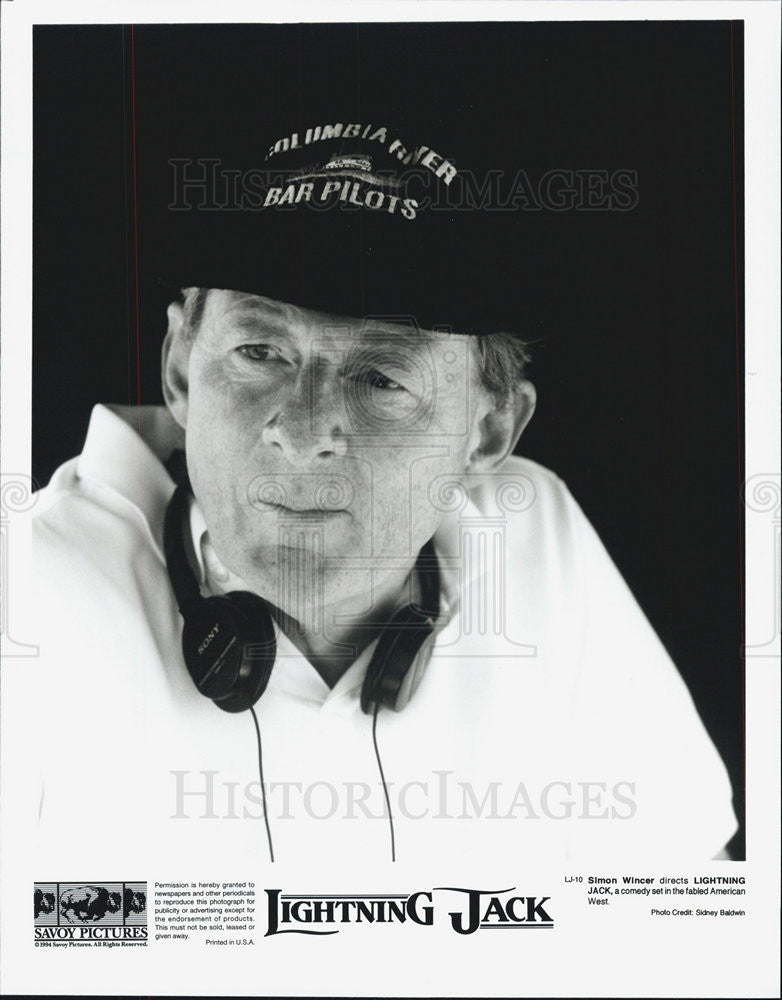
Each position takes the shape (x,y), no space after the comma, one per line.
(183,580)
(229,643)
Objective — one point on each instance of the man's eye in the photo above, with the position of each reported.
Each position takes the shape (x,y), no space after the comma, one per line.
(259,352)
(376,379)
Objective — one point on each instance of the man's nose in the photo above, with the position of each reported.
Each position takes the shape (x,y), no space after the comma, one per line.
(309,421)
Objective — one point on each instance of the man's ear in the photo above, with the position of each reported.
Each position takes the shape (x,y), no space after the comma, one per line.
(175,358)
(497,430)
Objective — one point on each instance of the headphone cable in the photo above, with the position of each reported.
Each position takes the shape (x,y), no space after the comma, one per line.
(263,786)
(383,780)
(379,765)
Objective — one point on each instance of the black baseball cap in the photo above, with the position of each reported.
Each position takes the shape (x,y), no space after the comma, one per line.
(296,190)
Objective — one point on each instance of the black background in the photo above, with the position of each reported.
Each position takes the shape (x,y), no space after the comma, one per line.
(636,315)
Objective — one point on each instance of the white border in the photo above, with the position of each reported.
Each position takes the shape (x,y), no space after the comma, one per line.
(691,972)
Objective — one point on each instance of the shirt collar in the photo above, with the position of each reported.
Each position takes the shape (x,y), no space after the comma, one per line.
(125,449)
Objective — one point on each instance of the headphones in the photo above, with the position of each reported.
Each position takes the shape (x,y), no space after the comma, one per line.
(229,643)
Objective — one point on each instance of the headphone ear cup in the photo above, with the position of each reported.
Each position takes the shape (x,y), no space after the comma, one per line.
(397,648)
(228,642)
(229,646)
(259,650)
(211,644)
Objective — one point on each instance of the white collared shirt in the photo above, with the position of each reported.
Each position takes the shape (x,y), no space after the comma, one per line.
(548,720)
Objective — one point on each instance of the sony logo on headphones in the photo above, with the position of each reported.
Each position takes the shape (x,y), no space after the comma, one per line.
(209,636)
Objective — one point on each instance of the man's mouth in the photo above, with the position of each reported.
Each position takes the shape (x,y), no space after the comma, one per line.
(303,511)
(301,496)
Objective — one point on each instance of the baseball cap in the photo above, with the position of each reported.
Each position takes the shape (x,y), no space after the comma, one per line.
(350,218)
(356,192)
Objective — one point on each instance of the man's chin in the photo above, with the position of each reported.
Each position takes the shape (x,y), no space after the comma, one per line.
(282,569)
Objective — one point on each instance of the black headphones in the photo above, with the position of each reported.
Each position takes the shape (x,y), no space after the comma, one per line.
(229,643)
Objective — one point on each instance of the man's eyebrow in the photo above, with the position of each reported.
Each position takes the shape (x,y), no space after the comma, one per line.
(252,315)
(252,320)
(402,336)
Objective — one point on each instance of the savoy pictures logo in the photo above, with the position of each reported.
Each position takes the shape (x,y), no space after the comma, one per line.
(108,914)
(466,910)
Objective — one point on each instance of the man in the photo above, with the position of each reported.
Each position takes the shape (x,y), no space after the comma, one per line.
(350,468)
(338,430)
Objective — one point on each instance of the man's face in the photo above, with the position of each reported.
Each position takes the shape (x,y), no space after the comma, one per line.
(320,448)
